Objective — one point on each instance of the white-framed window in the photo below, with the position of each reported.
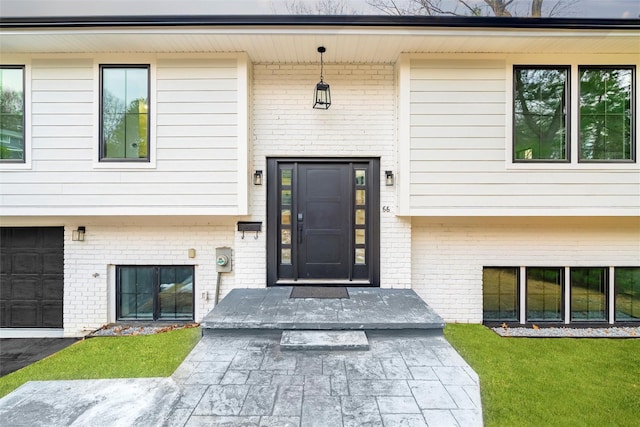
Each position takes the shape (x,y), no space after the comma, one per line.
(124,113)
(12,114)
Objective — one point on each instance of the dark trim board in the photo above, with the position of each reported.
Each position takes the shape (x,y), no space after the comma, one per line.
(317,20)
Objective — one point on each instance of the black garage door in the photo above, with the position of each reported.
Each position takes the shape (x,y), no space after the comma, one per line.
(31,277)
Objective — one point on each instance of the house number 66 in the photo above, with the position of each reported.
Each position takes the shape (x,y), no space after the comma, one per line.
(386,209)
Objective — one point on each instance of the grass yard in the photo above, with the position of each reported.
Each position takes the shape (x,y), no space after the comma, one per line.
(552,381)
(110,357)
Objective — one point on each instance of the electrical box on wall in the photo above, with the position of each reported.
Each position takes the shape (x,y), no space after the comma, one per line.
(223,260)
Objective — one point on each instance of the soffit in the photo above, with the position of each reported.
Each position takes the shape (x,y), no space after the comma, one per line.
(296,45)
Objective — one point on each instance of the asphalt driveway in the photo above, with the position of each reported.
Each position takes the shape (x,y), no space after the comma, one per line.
(16,353)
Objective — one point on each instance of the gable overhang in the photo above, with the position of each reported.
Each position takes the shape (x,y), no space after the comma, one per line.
(294,39)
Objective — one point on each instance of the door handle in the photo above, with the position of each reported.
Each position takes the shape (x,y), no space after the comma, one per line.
(300,226)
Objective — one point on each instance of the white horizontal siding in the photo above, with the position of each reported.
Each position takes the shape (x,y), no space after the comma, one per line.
(198,158)
(458,139)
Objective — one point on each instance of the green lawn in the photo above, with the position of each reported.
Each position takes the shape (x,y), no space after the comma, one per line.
(552,382)
(524,382)
(110,357)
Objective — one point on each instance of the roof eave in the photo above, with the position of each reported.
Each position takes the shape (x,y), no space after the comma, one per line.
(319,20)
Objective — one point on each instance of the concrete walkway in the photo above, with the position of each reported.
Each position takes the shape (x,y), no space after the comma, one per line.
(242,377)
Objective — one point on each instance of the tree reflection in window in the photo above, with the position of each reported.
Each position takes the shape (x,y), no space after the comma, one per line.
(12,113)
(540,113)
(125,112)
(606,124)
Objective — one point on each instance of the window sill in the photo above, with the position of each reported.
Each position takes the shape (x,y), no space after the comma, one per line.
(574,166)
(15,166)
(124,165)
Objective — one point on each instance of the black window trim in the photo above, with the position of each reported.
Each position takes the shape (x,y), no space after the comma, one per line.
(633,113)
(562,296)
(101,145)
(614,293)
(23,160)
(156,273)
(518,292)
(567,97)
(606,295)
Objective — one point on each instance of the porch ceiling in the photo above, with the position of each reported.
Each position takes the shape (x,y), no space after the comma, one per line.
(298,45)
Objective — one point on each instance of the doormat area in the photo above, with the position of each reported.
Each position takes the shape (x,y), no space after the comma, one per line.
(319,292)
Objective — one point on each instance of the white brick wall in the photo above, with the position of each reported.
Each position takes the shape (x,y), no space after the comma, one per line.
(89,292)
(448,253)
(360,123)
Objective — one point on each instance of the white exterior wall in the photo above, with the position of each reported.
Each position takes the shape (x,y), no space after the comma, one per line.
(448,253)
(361,122)
(456,153)
(198,141)
(89,266)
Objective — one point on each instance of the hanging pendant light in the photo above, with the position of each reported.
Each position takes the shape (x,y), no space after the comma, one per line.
(322,93)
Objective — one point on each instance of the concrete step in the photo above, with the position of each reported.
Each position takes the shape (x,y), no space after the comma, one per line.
(366,309)
(324,340)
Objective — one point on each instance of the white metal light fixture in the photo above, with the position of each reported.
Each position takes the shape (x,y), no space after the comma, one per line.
(78,235)
(388,178)
(322,93)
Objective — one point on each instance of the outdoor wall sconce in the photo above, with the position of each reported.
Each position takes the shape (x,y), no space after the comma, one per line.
(322,94)
(78,235)
(257,178)
(388,178)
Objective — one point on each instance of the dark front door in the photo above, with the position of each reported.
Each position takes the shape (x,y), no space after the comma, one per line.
(323,222)
(31,277)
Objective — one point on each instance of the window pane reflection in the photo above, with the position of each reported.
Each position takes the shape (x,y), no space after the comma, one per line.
(544,294)
(286,216)
(286,197)
(286,236)
(286,177)
(12,114)
(500,293)
(606,117)
(627,283)
(360,216)
(540,113)
(285,256)
(124,115)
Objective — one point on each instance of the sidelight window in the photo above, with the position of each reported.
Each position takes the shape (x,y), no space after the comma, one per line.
(360,216)
(286,207)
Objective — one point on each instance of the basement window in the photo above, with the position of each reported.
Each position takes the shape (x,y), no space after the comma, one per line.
(500,293)
(154,292)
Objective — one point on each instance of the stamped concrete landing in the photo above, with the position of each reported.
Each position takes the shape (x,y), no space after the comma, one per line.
(410,376)
(365,309)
